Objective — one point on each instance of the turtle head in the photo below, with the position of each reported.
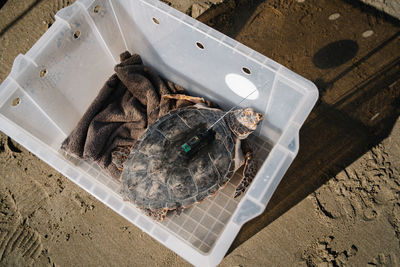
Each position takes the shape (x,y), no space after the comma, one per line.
(243,122)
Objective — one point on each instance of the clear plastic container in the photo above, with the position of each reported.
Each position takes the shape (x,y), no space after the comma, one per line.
(50,87)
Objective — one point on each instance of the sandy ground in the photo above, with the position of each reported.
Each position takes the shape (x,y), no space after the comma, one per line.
(338,205)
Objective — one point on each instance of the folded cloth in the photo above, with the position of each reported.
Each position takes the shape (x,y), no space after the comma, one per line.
(128,103)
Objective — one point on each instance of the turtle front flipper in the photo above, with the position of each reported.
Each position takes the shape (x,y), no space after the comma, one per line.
(180,101)
(249,170)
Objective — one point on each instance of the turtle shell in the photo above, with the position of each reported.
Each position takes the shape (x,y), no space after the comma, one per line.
(155,176)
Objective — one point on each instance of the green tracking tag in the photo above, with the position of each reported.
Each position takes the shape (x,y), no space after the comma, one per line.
(186,147)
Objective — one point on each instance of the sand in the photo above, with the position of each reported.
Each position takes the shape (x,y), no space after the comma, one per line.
(339,203)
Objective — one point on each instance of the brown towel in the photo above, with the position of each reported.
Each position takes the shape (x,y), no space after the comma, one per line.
(127,104)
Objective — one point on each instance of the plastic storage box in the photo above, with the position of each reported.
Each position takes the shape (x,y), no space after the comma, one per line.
(50,87)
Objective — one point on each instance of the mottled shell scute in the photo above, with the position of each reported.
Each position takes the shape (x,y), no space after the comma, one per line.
(156,177)
(190,118)
(169,130)
(180,183)
(201,171)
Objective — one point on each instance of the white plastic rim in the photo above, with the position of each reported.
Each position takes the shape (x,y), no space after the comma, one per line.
(241,86)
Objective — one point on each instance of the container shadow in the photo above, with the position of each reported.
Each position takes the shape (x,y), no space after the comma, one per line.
(349,130)
(20,16)
(2,3)
(359,85)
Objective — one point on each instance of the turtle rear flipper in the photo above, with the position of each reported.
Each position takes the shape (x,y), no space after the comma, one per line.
(158,215)
(120,155)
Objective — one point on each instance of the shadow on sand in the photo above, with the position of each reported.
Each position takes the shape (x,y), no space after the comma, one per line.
(358,79)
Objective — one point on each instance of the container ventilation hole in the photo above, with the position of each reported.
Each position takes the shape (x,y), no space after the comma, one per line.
(334,16)
(156,21)
(241,86)
(16,101)
(96,9)
(43,73)
(77,34)
(200,45)
(367,33)
(246,70)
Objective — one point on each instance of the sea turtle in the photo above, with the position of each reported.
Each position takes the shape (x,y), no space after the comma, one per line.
(158,175)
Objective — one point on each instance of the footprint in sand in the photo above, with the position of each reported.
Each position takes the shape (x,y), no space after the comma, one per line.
(384,260)
(19,246)
(323,253)
(362,191)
